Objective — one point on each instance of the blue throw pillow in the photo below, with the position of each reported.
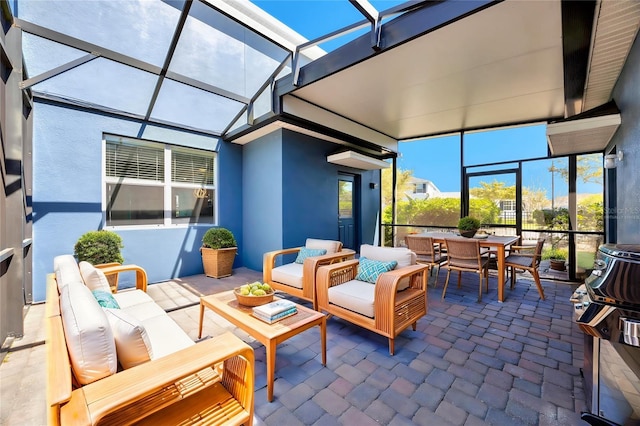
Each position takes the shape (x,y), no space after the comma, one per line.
(105,299)
(369,270)
(307,252)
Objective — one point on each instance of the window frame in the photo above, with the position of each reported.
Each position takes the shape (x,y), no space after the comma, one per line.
(167,184)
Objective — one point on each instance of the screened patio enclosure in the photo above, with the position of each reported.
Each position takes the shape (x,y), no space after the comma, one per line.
(194,66)
(511,191)
(257,109)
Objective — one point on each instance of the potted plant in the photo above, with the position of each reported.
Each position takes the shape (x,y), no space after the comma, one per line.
(557,258)
(100,247)
(468,226)
(218,252)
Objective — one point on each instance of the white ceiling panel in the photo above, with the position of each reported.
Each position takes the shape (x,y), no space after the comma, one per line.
(501,65)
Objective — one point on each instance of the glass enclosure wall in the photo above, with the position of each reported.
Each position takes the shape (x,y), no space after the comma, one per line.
(504,178)
(427,189)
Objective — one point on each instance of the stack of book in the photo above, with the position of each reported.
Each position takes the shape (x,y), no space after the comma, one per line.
(275,311)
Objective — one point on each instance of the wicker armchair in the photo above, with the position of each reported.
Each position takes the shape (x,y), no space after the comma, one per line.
(299,279)
(427,252)
(465,256)
(397,299)
(526,258)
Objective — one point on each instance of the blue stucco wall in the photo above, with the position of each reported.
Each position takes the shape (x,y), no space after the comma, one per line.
(67,194)
(290,193)
(627,138)
(310,202)
(310,192)
(262,198)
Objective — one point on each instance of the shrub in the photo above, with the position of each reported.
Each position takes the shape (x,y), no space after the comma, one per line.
(218,238)
(468,223)
(555,253)
(98,247)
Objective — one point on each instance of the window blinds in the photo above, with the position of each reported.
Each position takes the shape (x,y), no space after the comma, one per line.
(136,162)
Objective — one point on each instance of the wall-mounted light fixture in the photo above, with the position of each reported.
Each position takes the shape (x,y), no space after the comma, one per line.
(610,160)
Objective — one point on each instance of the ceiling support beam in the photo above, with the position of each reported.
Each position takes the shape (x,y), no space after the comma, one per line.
(26,84)
(167,60)
(372,15)
(577,25)
(414,23)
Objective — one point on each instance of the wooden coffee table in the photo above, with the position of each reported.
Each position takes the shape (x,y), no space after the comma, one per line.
(226,305)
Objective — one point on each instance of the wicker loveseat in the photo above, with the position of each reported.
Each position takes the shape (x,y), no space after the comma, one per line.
(386,305)
(132,363)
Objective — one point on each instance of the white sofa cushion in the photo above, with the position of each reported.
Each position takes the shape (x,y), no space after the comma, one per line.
(329,245)
(138,303)
(93,277)
(92,349)
(165,335)
(133,346)
(289,274)
(402,255)
(66,270)
(357,296)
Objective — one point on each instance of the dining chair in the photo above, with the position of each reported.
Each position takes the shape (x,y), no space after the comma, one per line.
(427,251)
(464,255)
(526,258)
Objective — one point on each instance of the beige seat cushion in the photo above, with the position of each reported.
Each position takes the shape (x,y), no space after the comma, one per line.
(164,334)
(92,348)
(329,245)
(289,274)
(402,255)
(357,296)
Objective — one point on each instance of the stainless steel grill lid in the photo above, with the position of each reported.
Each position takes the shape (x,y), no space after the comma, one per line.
(615,279)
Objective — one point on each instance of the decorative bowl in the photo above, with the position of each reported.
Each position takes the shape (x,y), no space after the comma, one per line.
(250,300)
(468,233)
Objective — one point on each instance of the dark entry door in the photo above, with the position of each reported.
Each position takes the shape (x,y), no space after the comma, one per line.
(347,211)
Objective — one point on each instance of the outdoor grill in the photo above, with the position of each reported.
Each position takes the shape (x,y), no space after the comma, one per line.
(607,309)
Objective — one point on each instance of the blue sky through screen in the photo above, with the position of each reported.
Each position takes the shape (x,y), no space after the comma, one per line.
(315,18)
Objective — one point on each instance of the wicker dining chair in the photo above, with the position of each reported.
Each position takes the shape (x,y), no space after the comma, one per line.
(526,258)
(427,251)
(464,255)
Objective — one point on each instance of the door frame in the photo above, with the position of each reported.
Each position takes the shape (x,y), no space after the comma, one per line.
(356,202)
(464,199)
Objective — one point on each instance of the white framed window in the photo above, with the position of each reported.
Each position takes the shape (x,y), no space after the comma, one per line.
(508,205)
(150,183)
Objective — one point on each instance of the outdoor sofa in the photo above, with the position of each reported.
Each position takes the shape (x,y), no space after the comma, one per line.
(126,361)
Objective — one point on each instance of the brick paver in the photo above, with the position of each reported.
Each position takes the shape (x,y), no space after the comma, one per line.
(468,363)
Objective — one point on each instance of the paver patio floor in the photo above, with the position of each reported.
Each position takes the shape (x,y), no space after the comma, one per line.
(468,363)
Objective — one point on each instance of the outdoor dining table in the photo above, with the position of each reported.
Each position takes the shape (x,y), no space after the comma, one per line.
(497,242)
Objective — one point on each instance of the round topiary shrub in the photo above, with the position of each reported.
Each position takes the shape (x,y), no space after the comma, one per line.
(98,247)
(468,223)
(218,238)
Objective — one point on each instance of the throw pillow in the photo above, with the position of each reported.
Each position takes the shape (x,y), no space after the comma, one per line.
(307,252)
(106,300)
(132,341)
(369,270)
(93,277)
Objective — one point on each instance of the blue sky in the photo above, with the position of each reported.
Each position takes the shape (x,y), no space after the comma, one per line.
(315,18)
(437,161)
